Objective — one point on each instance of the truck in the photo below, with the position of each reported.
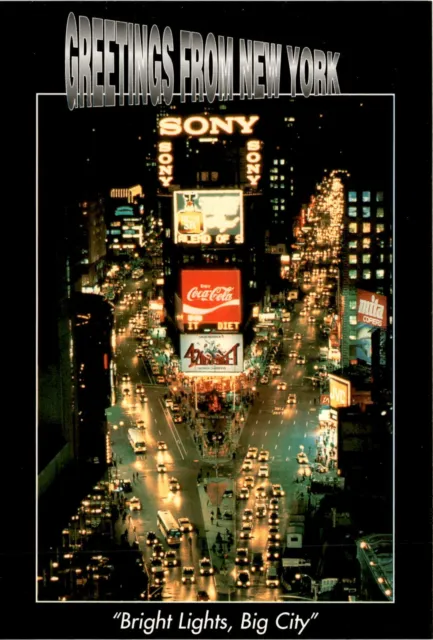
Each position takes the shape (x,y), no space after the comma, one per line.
(292,295)
(294,553)
(323,354)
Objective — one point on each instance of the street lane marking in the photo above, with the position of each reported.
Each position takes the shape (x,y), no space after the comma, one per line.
(281,421)
(257,422)
(278,434)
(269,422)
(266,433)
(288,447)
(252,433)
(159,432)
(276,446)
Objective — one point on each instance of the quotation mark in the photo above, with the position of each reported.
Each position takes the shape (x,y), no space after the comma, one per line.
(314,616)
(117,615)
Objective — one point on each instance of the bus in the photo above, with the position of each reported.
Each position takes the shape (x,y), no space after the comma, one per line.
(169,527)
(136,440)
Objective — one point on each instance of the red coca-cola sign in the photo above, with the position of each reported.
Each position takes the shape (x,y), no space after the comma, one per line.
(211,297)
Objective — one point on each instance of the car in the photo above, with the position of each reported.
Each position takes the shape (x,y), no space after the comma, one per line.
(276,370)
(228,493)
(252,452)
(168,403)
(261,492)
(161,468)
(263,471)
(260,509)
(158,578)
(126,377)
(185,524)
(264,380)
(257,564)
(311,319)
(158,551)
(143,397)
(243,579)
(302,458)
(244,493)
(162,446)
(175,408)
(140,388)
(264,455)
(274,518)
(293,354)
(248,482)
(174,484)
(274,534)
(291,398)
(303,312)
(152,538)
(272,579)
(297,336)
(282,386)
(247,465)
(319,468)
(202,596)
(274,504)
(177,419)
(273,552)
(156,564)
(277,411)
(277,490)
(188,575)
(206,568)
(126,392)
(241,557)
(301,360)
(121,330)
(134,504)
(247,515)
(171,559)
(160,379)
(140,424)
(246,531)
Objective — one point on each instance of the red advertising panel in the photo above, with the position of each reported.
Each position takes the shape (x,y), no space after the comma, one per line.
(212,297)
(371,308)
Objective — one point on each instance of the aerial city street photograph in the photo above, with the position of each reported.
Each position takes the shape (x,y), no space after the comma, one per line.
(215,352)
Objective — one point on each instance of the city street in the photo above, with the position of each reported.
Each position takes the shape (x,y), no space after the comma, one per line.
(282,435)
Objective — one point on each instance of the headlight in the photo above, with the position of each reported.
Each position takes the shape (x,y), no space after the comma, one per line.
(202,571)
(277,555)
(193,579)
(236,559)
(267,583)
(183,580)
(239,583)
(253,569)
(211,571)
(248,583)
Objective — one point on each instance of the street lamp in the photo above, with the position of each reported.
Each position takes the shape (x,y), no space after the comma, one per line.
(313,583)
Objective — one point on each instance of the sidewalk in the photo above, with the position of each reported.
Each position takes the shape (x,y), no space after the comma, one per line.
(210,500)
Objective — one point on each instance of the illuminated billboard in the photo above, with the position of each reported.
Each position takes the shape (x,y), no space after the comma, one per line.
(371,308)
(211,297)
(212,217)
(220,354)
(339,392)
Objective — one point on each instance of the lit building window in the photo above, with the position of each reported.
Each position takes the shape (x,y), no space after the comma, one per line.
(275,207)
(214,176)
(380,274)
(353,244)
(275,161)
(382,257)
(282,161)
(352,274)
(381,244)
(390,259)
(366,227)
(353,227)
(366,212)
(282,178)
(352,336)
(352,304)
(379,196)
(353,258)
(273,178)
(380,212)
(283,200)
(352,196)
(366,258)
(352,212)
(366,243)
(283,208)
(366,196)
(352,320)
(291,168)
(274,170)
(366,274)
(380,228)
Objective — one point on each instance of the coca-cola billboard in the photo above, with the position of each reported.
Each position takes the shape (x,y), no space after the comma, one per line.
(211,297)
(371,308)
(213,353)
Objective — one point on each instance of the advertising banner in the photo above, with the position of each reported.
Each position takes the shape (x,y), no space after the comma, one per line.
(266,317)
(325,400)
(211,353)
(363,345)
(371,308)
(212,297)
(208,217)
(339,392)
